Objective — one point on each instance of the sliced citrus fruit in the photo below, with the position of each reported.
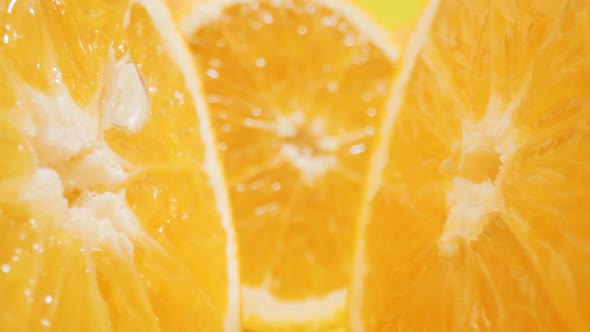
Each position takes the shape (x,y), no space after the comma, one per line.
(295,88)
(113,210)
(477,208)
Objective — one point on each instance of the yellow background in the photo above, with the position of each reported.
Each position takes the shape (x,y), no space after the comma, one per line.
(392,13)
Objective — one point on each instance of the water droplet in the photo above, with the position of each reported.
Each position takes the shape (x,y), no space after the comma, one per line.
(329,21)
(36,246)
(214,99)
(381,88)
(11,6)
(15,258)
(260,62)
(332,86)
(259,211)
(371,112)
(45,322)
(5,268)
(267,18)
(310,8)
(357,149)
(214,74)
(276,186)
(349,40)
(18,251)
(302,29)
(222,146)
(239,187)
(48,299)
(215,63)
(343,26)
(369,130)
(360,59)
(249,122)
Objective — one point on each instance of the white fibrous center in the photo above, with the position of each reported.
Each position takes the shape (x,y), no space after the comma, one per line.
(474,165)
(469,208)
(306,146)
(78,176)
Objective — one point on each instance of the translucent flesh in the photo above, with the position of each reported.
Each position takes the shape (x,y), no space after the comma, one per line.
(62,274)
(294,89)
(499,94)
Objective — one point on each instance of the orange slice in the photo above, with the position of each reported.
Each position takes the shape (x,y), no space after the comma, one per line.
(295,88)
(113,210)
(477,209)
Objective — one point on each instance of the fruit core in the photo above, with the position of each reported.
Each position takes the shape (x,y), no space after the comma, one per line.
(474,164)
(306,146)
(77,183)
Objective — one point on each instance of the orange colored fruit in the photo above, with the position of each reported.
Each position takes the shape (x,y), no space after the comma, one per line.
(295,88)
(476,214)
(113,209)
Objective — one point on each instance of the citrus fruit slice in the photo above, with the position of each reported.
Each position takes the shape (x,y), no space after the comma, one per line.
(113,210)
(476,214)
(295,88)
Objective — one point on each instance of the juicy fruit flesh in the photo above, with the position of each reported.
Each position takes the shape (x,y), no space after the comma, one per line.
(479,219)
(295,90)
(106,213)
(290,143)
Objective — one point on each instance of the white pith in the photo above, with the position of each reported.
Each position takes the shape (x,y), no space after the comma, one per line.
(259,303)
(72,155)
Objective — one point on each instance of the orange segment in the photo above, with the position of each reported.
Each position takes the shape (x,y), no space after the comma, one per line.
(20,37)
(181,291)
(475,215)
(113,210)
(295,88)
(548,212)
